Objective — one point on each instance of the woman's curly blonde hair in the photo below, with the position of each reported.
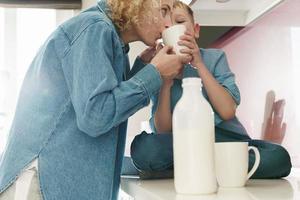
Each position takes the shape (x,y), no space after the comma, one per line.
(125,13)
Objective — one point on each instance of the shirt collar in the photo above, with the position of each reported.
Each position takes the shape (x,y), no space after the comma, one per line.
(103,7)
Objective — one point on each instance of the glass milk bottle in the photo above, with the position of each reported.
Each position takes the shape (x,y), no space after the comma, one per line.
(193,141)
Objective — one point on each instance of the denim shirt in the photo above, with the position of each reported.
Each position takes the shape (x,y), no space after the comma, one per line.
(216,62)
(73,109)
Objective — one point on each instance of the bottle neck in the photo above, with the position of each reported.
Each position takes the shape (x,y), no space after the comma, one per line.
(191,88)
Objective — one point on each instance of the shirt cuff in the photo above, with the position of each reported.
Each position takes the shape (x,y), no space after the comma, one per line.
(150,79)
(234,92)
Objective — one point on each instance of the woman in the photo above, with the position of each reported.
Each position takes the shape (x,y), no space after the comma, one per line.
(152,154)
(72,111)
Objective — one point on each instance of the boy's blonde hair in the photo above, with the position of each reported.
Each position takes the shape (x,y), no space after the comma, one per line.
(180,4)
(125,13)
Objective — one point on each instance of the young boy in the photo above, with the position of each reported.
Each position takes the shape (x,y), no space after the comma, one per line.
(152,154)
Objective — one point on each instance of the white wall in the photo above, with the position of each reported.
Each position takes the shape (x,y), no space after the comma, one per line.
(88,3)
(265,58)
(63,15)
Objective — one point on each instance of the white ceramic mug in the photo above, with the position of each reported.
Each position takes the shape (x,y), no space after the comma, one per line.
(171,36)
(231,161)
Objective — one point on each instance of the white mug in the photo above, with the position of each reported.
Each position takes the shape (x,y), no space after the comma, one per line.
(231,161)
(171,36)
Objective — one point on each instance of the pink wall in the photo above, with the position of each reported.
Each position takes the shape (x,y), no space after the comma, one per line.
(265,56)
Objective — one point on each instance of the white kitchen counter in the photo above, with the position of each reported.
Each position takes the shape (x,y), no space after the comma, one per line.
(282,189)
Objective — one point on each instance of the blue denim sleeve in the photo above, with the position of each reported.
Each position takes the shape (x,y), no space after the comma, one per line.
(226,78)
(100,100)
(137,66)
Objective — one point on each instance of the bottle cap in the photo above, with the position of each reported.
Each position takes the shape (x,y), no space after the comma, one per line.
(191,81)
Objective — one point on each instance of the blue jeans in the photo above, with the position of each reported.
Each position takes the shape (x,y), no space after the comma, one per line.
(152,155)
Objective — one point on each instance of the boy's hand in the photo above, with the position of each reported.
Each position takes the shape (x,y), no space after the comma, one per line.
(189,41)
(275,127)
(148,54)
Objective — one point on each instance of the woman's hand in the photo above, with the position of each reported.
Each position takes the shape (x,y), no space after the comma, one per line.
(169,64)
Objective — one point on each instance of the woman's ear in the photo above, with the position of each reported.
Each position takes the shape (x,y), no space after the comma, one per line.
(197,30)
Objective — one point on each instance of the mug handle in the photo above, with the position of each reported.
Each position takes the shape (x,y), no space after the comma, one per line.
(256,163)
